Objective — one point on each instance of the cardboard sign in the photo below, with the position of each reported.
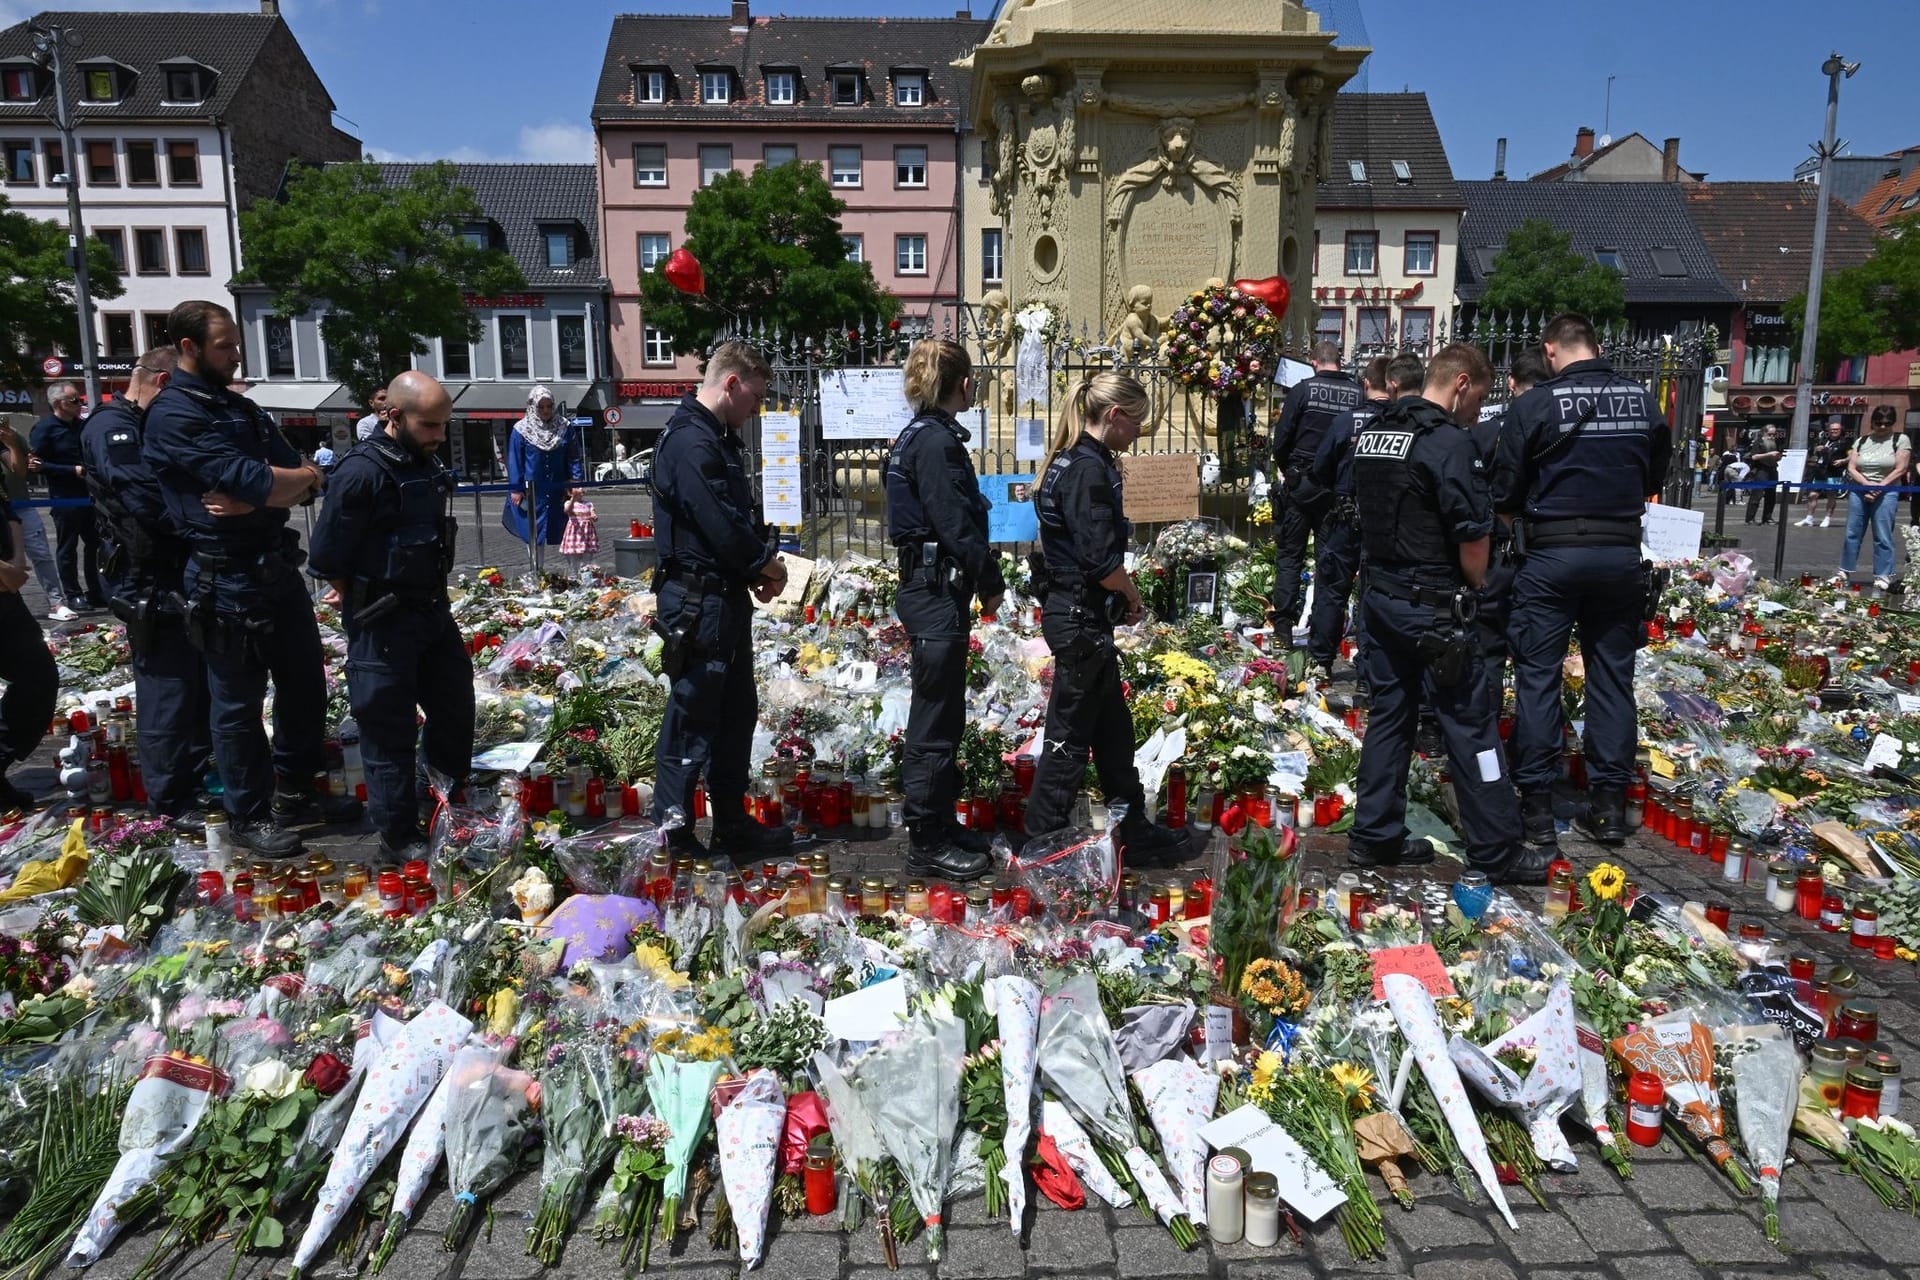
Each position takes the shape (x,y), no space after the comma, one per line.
(1161,486)
(1013,517)
(1271,1149)
(799,574)
(1671,533)
(1419,962)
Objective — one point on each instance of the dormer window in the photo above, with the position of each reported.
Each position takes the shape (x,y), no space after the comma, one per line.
(105,81)
(846,88)
(187,81)
(783,88)
(19,83)
(559,245)
(650,86)
(716,86)
(910,89)
(476,234)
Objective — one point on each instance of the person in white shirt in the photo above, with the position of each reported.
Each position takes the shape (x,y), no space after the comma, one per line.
(376,420)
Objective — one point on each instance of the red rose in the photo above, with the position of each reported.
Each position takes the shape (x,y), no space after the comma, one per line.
(327,1074)
(1233,819)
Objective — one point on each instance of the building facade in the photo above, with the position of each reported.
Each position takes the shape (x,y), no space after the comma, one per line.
(873,102)
(552,334)
(182,120)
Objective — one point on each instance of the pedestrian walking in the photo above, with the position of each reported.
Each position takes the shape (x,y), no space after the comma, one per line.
(1763,464)
(545,469)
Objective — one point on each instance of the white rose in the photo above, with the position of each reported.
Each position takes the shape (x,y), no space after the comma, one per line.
(270,1078)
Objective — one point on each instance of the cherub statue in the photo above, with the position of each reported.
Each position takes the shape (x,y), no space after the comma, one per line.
(996,347)
(1138,336)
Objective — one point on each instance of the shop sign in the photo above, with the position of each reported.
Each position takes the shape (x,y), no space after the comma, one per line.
(512,301)
(655,390)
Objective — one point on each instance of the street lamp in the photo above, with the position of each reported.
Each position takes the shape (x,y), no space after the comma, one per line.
(1835,68)
(50,44)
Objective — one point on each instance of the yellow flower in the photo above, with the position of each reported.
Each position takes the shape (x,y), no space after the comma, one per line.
(1606,881)
(649,957)
(1355,1082)
(1266,1069)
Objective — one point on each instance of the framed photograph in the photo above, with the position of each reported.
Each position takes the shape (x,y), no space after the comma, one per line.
(1201,588)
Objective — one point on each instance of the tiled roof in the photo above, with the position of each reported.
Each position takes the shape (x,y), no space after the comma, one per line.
(1761,235)
(521,199)
(226,42)
(1377,129)
(1896,194)
(684,46)
(1631,218)
(1571,167)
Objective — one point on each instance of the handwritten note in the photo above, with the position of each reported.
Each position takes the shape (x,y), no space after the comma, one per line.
(1029,439)
(862,404)
(1161,486)
(1013,517)
(1671,533)
(1271,1149)
(1420,962)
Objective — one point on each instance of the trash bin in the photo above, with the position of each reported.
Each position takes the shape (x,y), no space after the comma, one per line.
(634,557)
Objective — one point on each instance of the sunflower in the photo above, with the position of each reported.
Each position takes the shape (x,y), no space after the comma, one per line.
(1606,881)
(1355,1083)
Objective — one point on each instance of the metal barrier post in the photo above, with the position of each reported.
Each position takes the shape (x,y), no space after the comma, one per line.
(479,524)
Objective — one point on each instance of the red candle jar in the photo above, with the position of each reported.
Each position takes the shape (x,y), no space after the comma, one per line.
(1720,915)
(1833,912)
(1023,771)
(1885,946)
(1688,627)
(1800,966)
(1646,1101)
(1360,904)
(629,802)
(542,792)
(1636,804)
(1808,891)
(1861,1098)
(393,894)
(1176,797)
(1866,926)
(1323,811)
(596,798)
(211,887)
(822,1196)
(980,814)
(1717,844)
(1857,1020)
(699,801)
(1199,901)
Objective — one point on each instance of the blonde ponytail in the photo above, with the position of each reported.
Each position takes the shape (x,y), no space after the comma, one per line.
(935,369)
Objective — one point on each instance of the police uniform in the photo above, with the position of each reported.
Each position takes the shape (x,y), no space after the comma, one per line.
(1578,456)
(1336,551)
(1083,539)
(57,444)
(26,708)
(712,550)
(1421,492)
(1311,407)
(386,535)
(937,522)
(144,568)
(247,605)
(1496,591)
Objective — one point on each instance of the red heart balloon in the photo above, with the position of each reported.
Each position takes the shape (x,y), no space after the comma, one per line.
(683,272)
(1273,291)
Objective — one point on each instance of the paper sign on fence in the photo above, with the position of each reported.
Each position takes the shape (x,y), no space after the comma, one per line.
(1793,466)
(1671,533)
(1303,1184)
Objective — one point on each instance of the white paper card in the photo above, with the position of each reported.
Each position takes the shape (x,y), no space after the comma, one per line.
(509,757)
(1909,704)
(1303,1184)
(1219,1032)
(1885,751)
(1671,533)
(871,1013)
(1029,439)
(863,404)
(1793,466)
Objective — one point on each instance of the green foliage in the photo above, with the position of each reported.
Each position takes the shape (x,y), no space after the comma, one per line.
(1872,308)
(390,263)
(37,306)
(1539,274)
(770,248)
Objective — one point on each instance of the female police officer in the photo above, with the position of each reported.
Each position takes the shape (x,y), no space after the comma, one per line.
(1086,592)
(937,522)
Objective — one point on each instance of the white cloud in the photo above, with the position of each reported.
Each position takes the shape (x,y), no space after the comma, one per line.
(551,143)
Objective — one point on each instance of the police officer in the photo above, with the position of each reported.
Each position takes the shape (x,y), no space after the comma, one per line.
(143,569)
(229,478)
(386,543)
(25,663)
(55,445)
(1425,516)
(1579,456)
(937,522)
(713,552)
(1528,370)
(1085,592)
(1310,408)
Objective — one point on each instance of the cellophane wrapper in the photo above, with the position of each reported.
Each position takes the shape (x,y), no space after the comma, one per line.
(747,1129)
(1016,1006)
(910,1084)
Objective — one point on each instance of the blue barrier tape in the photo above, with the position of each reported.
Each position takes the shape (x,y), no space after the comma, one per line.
(1816,486)
(462,491)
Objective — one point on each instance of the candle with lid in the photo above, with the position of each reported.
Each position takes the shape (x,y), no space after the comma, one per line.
(1262,1210)
(1226,1201)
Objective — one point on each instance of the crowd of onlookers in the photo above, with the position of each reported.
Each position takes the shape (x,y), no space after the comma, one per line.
(1867,471)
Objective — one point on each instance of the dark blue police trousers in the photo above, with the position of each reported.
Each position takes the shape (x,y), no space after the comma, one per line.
(170,706)
(938,619)
(413,657)
(268,632)
(1336,561)
(712,708)
(1596,592)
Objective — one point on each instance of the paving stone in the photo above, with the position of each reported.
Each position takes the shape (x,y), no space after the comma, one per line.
(1593,1178)
(1615,1224)
(1545,1238)
(1150,1251)
(1466,1268)
(863,1248)
(881,1273)
(1809,1227)
(1077,1241)
(1829,1270)
(1721,1237)
(1568,1275)
(1269,1271)
(1333,1255)
(508,1260)
(1661,1266)
(1670,1185)
(982,1253)
(805,1256)
(1432,1226)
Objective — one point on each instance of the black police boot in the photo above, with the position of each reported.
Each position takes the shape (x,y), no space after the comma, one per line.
(969,839)
(1522,866)
(190,822)
(267,839)
(1413,852)
(1536,817)
(934,852)
(1604,820)
(1147,844)
(683,843)
(292,808)
(747,839)
(413,845)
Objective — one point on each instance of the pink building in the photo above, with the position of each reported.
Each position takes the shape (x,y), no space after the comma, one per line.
(872,101)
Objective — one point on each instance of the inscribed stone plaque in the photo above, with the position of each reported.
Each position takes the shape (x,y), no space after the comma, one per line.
(1174,242)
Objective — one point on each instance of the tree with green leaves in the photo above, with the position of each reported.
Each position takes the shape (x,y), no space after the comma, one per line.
(38,310)
(391,263)
(1872,308)
(771,251)
(1539,274)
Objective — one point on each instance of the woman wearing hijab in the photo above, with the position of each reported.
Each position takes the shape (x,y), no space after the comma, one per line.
(544,469)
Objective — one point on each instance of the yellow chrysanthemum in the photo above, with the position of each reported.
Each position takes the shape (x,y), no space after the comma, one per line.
(1606,881)
(1356,1082)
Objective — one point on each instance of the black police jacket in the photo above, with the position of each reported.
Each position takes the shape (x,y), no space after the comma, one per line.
(1585,443)
(1082,514)
(385,522)
(201,439)
(1421,490)
(145,552)
(933,495)
(1333,464)
(1310,408)
(705,518)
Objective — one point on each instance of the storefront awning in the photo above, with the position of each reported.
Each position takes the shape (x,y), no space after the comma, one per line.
(508,400)
(292,397)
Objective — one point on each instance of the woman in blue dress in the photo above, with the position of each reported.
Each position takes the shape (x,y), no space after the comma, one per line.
(545,466)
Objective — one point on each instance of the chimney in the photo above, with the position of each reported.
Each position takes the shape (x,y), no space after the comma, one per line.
(1670,161)
(1583,143)
(742,19)
(1909,161)
(1500,160)
(271,8)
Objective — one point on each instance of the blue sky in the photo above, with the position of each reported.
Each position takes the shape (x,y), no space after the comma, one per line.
(1737,81)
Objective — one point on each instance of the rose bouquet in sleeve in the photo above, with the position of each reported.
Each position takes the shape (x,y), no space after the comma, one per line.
(1680,1051)
(1766,1091)
(490,1118)
(910,1086)
(680,1075)
(1179,1095)
(426,1145)
(1015,1003)
(1254,878)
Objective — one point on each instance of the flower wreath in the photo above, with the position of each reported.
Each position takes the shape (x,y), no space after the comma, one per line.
(1222,341)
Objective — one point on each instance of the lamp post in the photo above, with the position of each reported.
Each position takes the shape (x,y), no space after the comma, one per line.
(50,43)
(1835,68)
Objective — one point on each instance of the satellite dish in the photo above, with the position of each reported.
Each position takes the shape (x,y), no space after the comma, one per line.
(1606,140)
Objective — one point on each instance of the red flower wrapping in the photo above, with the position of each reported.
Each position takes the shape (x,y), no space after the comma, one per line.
(806,1120)
(1055,1178)
(327,1074)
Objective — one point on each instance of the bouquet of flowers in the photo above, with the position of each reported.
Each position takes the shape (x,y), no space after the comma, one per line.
(1533,1070)
(1179,1095)
(490,1115)
(680,1075)
(629,1206)
(583,1090)
(748,1127)
(910,1085)
(1254,878)
(1015,1003)
(863,1153)
(1680,1052)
